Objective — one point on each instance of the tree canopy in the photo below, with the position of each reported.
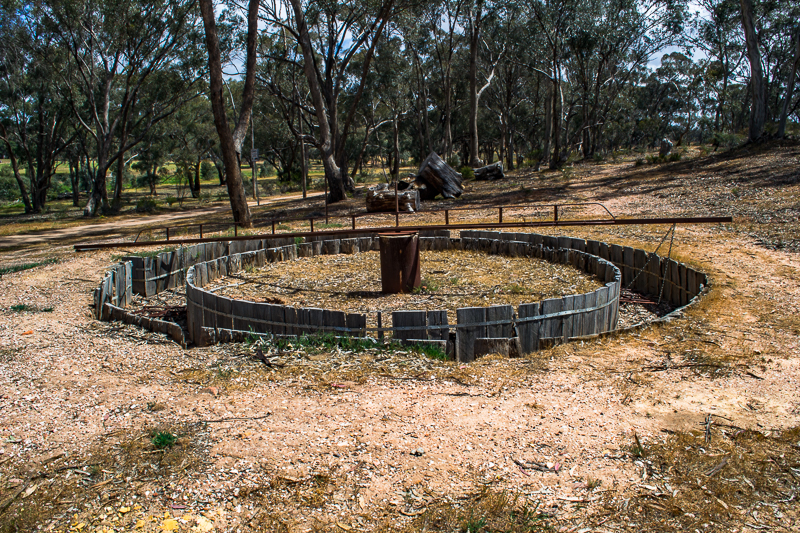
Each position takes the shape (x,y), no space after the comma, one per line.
(107,84)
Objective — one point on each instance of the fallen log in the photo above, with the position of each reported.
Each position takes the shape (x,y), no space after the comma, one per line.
(381,198)
(490,172)
(440,177)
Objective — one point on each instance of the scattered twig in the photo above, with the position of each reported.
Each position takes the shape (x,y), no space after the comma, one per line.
(714,471)
(234,418)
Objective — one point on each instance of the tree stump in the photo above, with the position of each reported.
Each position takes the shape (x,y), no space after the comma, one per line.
(490,172)
(666,147)
(381,198)
(440,177)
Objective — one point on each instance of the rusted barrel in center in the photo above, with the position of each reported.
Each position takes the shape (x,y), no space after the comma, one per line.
(400,271)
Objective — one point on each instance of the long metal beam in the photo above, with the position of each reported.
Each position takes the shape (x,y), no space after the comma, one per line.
(82,247)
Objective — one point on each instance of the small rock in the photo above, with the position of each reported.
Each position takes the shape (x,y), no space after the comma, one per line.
(418,452)
(212,391)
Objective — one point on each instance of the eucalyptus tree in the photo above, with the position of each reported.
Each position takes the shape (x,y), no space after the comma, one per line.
(114,50)
(231,141)
(714,30)
(330,34)
(34,117)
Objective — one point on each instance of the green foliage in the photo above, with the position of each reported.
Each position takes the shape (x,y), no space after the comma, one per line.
(427,286)
(9,190)
(163,439)
(467,173)
(19,308)
(146,205)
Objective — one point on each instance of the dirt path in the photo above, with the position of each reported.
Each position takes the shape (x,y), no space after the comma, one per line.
(117,228)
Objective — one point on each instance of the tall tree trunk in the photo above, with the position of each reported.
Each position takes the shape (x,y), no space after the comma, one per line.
(758,109)
(448,118)
(228,140)
(120,176)
(555,159)
(74,181)
(787,102)
(548,125)
(195,188)
(333,174)
(474,45)
(396,143)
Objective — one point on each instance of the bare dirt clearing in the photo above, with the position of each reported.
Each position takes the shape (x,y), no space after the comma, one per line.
(611,435)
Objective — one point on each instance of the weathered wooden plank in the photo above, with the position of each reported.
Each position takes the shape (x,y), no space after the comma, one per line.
(552,327)
(600,315)
(290,320)
(682,271)
(334,321)
(691,282)
(128,283)
(331,247)
(593,247)
(575,326)
(528,330)
(568,324)
(402,319)
(605,251)
(628,264)
(314,319)
(466,334)
(438,318)
(502,313)
(640,260)
(356,324)
(277,317)
(588,318)
(653,270)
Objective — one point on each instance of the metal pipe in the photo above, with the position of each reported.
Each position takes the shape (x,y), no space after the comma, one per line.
(167,233)
(501,215)
(201,231)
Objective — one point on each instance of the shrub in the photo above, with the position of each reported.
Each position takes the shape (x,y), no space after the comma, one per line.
(467,173)
(146,205)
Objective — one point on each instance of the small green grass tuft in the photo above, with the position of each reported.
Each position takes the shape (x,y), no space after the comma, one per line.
(163,439)
(20,308)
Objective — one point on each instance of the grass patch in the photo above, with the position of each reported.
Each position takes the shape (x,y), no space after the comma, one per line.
(163,439)
(47,489)
(486,511)
(21,308)
(329,225)
(426,286)
(145,253)
(715,482)
(26,266)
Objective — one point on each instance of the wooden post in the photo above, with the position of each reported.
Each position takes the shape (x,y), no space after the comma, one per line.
(501,216)
(396,205)
(446,217)
(201,231)
(167,233)
(400,269)
(273,226)
(312,224)
(555,213)
(354,221)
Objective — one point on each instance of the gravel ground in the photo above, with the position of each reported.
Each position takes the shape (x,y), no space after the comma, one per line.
(346,439)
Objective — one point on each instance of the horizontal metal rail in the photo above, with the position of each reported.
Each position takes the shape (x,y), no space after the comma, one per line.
(273,221)
(81,247)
